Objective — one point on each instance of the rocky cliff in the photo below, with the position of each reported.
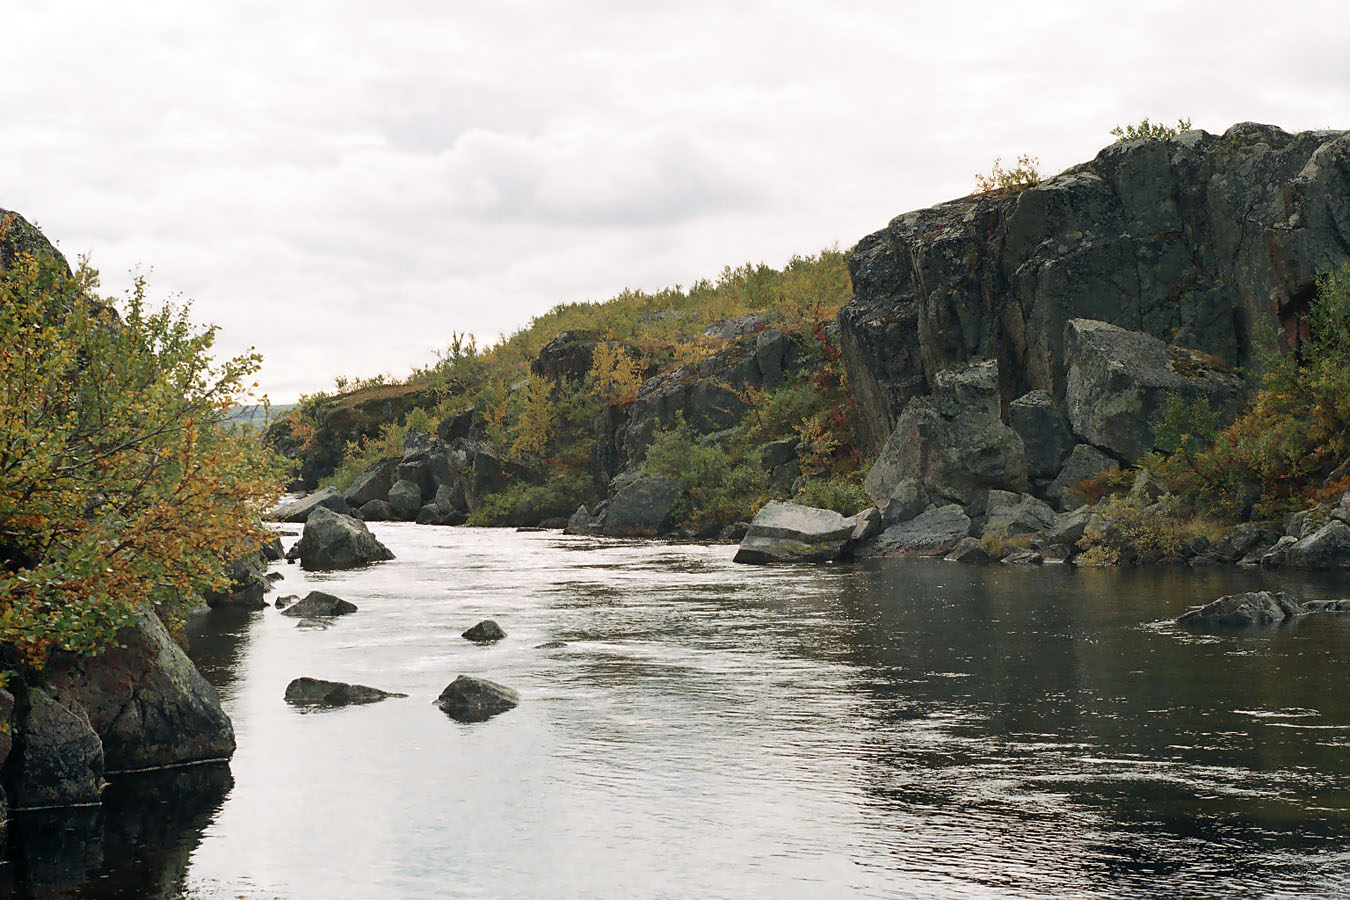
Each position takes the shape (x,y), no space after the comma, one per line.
(1206,241)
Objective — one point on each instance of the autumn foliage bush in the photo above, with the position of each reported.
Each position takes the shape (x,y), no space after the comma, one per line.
(119,486)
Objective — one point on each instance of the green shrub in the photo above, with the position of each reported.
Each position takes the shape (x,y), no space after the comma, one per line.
(523,503)
(1009,181)
(119,484)
(1150,131)
(718,489)
(1278,454)
(839,493)
(1128,529)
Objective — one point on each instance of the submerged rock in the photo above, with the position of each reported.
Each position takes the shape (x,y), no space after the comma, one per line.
(316,692)
(469,699)
(335,541)
(318,603)
(551,645)
(788,532)
(1243,611)
(485,632)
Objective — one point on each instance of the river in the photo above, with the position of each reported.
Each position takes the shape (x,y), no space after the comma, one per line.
(896,728)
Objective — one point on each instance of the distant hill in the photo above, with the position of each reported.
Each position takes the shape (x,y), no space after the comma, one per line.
(255,416)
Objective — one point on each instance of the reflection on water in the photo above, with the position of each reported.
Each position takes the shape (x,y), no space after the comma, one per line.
(889,729)
(136,845)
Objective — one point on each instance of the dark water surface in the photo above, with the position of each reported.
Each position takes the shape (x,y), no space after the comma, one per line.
(891,729)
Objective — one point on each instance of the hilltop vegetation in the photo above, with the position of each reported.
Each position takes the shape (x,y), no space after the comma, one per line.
(544,420)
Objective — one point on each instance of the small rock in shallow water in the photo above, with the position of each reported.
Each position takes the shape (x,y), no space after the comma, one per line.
(551,645)
(283,602)
(318,603)
(485,632)
(1244,610)
(469,699)
(316,692)
(319,624)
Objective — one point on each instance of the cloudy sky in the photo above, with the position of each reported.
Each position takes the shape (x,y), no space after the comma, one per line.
(344,184)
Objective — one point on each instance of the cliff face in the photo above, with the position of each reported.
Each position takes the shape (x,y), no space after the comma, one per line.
(1206,241)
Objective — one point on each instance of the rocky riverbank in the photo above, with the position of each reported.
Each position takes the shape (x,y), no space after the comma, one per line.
(1006,357)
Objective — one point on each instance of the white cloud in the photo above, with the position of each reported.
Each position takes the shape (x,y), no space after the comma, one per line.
(342,184)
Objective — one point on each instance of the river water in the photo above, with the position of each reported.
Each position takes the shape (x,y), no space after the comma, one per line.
(901,728)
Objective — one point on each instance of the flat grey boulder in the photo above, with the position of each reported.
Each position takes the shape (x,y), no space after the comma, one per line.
(485,632)
(1118,380)
(334,541)
(789,532)
(469,699)
(145,700)
(318,603)
(1243,611)
(298,510)
(933,533)
(316,692)
(953,442)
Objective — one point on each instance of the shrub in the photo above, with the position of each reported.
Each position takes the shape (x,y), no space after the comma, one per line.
(839,493)
(1009,181)
(1277,455)
(522,503)
(1150,131)
(718,489)
(1128,529)
(118,484)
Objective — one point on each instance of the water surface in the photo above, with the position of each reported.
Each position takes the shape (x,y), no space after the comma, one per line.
(888,729)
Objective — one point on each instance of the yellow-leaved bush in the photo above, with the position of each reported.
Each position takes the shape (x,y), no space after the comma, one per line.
(119,484)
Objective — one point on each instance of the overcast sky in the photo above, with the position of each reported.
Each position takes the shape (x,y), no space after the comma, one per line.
(344,184)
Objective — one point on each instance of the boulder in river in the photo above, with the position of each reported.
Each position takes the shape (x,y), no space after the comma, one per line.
(469,699)
(316,692)
(643,506)
(335,541)
(318,603)
(485,632)
(145,700)
(789,532)
(1244,610)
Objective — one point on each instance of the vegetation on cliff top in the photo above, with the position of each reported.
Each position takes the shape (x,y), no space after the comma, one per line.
(118,485)
(548,425)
